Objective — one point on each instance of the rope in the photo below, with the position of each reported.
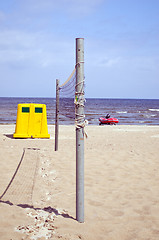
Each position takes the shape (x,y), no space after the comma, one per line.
(80,121)
(68,78)
(67,89)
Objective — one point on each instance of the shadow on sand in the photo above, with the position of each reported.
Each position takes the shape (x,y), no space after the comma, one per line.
(46,209)
(9,136)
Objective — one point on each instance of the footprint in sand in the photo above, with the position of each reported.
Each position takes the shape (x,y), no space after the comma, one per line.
(95,203)
(116,213)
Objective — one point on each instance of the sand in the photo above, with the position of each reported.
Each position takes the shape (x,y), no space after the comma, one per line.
(37,185)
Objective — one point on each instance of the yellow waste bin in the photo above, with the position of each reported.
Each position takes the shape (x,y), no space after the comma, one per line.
(31,121)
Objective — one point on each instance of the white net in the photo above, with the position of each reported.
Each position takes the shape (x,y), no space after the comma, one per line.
(66,99)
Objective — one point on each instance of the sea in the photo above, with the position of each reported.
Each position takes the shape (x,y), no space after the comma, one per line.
(127,111)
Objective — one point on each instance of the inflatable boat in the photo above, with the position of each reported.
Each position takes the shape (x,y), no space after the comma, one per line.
(109,121)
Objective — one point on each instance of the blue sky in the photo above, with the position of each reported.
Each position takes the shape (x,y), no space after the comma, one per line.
(121,41)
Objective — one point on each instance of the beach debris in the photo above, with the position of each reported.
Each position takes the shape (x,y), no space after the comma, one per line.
(43,226)
(44,173)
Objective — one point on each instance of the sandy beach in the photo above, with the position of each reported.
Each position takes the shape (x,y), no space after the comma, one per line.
(37,185)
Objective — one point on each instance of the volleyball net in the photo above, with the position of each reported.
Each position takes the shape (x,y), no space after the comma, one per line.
(66,99)
(69,97)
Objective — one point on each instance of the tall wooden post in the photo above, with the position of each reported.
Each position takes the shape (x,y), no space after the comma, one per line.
(57,116)
(79,129)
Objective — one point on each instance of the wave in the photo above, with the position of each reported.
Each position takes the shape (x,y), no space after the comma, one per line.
(122,112)
(154,110)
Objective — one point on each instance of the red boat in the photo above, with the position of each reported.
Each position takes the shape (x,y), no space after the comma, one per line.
(109,121)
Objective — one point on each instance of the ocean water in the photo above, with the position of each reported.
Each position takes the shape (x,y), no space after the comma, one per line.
(127,111)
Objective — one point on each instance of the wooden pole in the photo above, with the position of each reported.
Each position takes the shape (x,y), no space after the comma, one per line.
(79,129)
(57,115)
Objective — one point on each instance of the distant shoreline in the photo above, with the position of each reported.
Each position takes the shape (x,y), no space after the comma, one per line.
(128,112)
(91,98)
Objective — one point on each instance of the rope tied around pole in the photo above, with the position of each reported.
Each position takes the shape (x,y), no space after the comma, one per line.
(80,120)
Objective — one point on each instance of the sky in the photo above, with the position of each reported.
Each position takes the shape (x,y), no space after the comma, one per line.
(121,47)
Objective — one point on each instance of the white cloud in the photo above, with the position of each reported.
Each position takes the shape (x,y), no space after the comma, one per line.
(16,46)
(15,38)
(73,7)
(33,48)
(85,7)
(109,62)
(2,16)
